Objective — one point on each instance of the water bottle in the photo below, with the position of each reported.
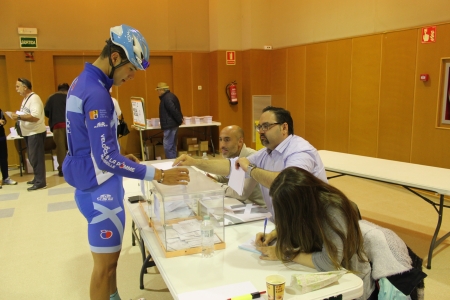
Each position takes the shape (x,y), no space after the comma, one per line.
(205,155)
(207,231)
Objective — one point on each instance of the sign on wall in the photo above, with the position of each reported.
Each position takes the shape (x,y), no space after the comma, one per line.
(28,42)
(428,34)
(231,57)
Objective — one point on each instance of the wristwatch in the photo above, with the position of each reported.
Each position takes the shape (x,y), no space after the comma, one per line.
(18,117)
(250,169)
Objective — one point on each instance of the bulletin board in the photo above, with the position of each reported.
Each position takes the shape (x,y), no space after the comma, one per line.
(138,111)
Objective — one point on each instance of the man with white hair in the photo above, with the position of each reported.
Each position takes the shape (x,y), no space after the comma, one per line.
(170,118)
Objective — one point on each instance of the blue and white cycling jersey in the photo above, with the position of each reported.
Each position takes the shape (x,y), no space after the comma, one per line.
(94,153)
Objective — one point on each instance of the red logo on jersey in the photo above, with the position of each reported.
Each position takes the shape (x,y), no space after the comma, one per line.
(106,234)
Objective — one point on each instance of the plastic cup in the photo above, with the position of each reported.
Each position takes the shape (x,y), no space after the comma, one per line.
(275,287)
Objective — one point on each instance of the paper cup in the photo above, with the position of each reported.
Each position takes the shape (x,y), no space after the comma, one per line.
(275,287)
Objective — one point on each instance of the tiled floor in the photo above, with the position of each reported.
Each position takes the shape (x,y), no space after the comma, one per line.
(44,252)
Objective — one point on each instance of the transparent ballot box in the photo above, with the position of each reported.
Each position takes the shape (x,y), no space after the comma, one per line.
(176,212)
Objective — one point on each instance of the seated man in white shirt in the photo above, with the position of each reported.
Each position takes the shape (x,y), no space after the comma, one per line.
(231,143)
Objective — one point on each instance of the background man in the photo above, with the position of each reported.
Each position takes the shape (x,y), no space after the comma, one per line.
(170,118)
(33,130)
(231,143)
(282,149)
(55,111)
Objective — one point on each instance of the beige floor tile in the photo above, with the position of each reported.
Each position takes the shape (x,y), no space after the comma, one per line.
(45,255)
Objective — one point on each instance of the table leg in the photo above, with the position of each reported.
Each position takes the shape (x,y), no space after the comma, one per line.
(133,230)
(147,264)
(18,143)
(142,145)
(435,243)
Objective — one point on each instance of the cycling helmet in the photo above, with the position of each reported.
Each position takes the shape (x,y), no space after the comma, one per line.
(134,44)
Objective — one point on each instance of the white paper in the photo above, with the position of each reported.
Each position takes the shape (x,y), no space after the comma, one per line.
(221,292)
(13,132)
(20,113)
(9,114)
(164,165)
(237,178)
(249,246)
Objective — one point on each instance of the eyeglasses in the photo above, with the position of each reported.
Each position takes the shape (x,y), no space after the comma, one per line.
(266,126)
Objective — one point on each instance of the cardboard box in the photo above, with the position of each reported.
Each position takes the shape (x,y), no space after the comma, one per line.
(192,147)
(203,146)
(189,141)
(159,152)
(192,153)
(149,150)
(181,153)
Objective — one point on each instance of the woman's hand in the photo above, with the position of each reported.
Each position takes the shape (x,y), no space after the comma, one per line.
(265,240)
(267,253)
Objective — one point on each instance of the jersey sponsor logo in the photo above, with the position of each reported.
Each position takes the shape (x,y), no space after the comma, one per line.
(124,166)
(100,125)
(106,234)
(105,154)
(110,162)
(105,197)
(93,114)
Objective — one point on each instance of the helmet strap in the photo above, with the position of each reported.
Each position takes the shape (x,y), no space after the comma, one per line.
(113,68)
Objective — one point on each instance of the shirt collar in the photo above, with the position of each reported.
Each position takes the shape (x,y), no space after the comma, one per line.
(102,77)
(281,146)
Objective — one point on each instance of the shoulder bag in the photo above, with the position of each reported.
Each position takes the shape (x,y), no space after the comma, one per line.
(17,125)
(122,128)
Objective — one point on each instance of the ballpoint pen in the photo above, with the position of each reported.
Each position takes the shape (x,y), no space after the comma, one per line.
(264,234)
(250,296)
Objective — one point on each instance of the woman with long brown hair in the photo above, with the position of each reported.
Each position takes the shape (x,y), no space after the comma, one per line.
(316,226)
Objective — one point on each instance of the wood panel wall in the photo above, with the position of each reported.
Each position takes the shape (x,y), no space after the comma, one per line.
(364,96)
(358,95)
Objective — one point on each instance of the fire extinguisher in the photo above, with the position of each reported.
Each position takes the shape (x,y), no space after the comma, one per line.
(231,91)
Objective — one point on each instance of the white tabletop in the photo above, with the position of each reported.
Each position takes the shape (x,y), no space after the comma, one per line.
(401,173)
(17,137)
(213,123)
(229,266)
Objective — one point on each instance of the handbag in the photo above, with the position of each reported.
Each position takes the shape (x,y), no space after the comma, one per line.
(122,128)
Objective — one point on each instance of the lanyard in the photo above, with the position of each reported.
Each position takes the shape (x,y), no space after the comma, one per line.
(26,101)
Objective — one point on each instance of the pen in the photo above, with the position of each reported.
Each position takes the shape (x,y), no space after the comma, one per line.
(248,296)
(264,234)
(177,164)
